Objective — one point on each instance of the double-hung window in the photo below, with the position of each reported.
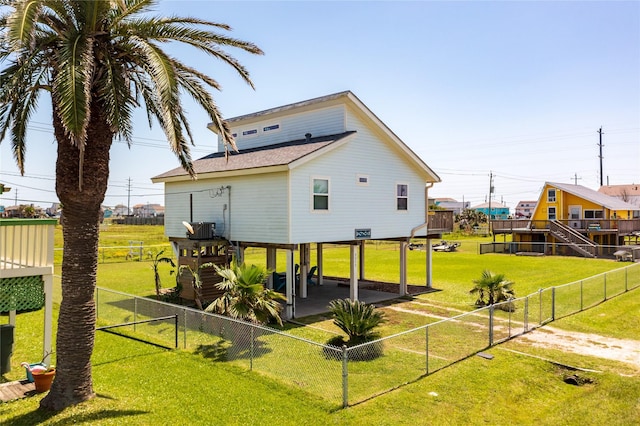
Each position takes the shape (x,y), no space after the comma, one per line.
(551,195)
(320,194)
(402,196)
(552,213)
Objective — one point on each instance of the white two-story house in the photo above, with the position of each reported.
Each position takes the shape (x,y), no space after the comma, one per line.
(325,170)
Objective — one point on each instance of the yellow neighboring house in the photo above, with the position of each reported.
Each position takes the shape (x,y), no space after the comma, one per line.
(580,206)
(572,219)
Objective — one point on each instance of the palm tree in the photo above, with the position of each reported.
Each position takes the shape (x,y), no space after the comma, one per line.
(245,296)
(495,287)
(98,60)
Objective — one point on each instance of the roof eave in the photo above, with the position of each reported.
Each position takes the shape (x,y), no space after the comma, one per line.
(223,174)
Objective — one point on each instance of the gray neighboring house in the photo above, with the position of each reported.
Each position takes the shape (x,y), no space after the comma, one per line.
(451,204)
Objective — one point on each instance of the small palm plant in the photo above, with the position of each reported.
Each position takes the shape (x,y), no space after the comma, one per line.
(492,288)
(196,280)
(157,259)
(245,296)
(357,319)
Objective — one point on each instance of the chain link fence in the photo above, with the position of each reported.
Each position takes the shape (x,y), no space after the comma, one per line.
(345,376)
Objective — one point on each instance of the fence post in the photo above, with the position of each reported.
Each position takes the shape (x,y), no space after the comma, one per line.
(491,325)
(626,285)
(581,296)
(251,350)
(184,330)
(426,330)
(540,306)
(553,303)
(526,314)
(176,321)
(135,312)
(345,377)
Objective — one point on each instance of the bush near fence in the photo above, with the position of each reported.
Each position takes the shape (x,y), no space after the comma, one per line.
(345,376)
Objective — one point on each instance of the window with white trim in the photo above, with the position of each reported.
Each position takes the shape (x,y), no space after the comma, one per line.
(362,180)
(552,213)
(402,196)
(551,195)
(593,214)
(320,194)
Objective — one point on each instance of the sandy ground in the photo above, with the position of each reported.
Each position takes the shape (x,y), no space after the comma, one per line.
(623,350)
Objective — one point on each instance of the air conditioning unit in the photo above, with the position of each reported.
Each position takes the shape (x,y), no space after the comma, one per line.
(202,231)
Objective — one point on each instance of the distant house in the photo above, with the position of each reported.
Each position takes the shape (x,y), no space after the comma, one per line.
(499,211)
(524,209)
(121,210)
(452,204)
(575,217)
(627,193)
(324,170)
(148,210)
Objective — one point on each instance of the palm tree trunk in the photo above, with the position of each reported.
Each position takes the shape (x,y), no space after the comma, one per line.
(76,322)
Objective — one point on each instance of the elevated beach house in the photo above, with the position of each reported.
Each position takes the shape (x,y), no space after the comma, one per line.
(324,170)
(575,219)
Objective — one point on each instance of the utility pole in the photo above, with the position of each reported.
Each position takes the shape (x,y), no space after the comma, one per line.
(490,191)
(600,156)
(575,178)
(129,197)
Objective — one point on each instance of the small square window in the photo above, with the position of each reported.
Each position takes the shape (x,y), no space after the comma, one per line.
(271,128)
(362,180)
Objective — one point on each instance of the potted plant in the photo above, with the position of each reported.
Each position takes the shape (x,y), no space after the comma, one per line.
(40,373)
(43,378)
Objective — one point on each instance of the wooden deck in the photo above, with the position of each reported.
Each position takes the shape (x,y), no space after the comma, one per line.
(11,391)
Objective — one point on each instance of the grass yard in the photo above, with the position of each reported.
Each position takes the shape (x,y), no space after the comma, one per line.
(139,384)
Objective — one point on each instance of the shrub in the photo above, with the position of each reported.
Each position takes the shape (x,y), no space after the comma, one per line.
(493,288)
(359,321)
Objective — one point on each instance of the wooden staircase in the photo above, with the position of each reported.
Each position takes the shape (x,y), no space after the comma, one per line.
(575,240)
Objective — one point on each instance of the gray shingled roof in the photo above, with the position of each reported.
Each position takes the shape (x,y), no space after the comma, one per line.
(604,200)
(266,156)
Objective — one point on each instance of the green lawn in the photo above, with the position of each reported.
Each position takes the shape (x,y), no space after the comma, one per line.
(140,384)
(143,385)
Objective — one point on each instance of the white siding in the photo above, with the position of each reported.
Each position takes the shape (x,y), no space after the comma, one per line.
(325,121)
(354,206)
(258,207)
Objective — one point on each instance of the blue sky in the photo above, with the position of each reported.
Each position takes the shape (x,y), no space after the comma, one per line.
(518,89)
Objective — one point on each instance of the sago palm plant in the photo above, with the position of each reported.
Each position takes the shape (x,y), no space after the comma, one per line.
(245,296)
(357,319)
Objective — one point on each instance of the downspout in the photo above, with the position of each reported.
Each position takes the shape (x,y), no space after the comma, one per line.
(426,213)
(229,202)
